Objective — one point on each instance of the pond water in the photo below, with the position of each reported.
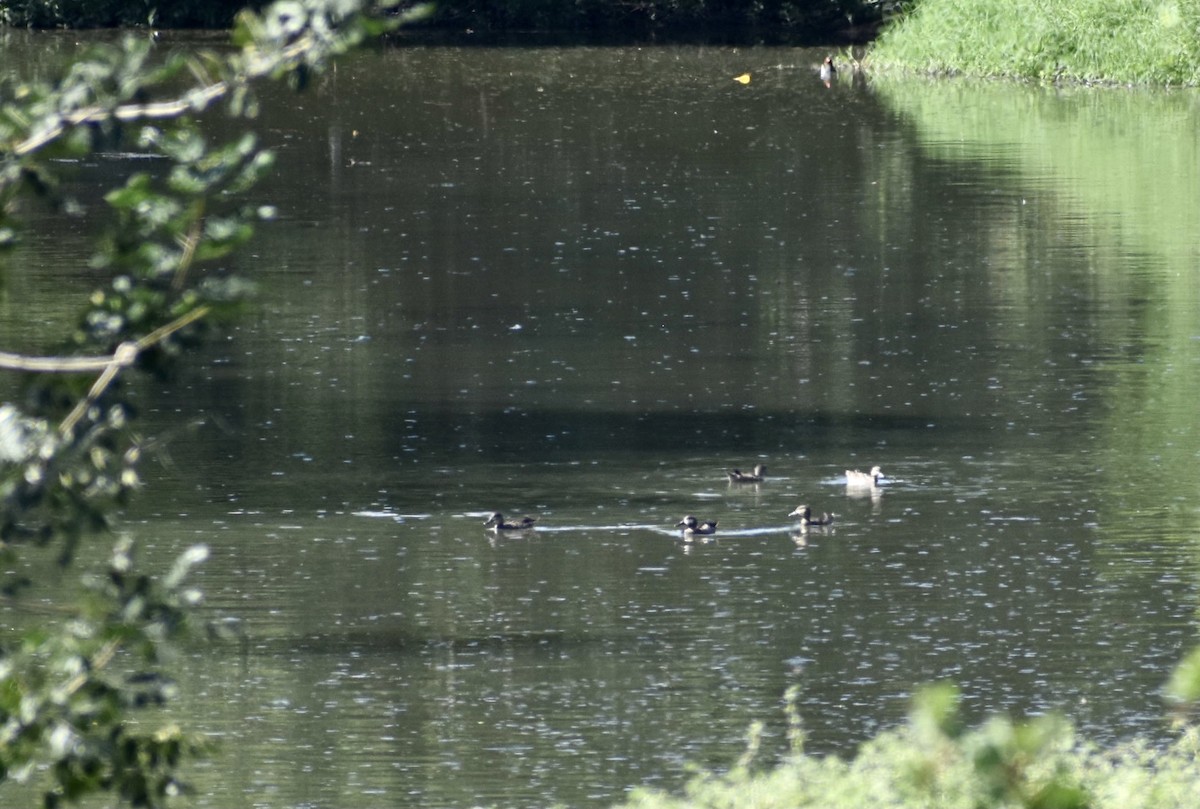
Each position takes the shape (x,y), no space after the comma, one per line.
(583,284)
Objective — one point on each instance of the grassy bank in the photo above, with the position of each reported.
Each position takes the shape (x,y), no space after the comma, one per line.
(933,762)
(1110,41)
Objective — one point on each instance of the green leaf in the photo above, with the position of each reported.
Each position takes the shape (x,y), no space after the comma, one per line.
(1183,687)
(935,711)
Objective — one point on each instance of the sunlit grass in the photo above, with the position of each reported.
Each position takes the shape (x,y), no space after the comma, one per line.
(1110,41)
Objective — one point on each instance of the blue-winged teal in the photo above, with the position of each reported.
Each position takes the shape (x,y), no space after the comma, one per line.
(806,517)
(691,526)
(758,476)
(857,478)
(496,523)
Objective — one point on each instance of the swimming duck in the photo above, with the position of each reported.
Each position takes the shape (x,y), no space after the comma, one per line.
(496,523)
(806,517)
(758,476)
(857,478)
(691,526)
(827,70)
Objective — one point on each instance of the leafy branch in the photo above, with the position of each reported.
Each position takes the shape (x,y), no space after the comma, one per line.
(68,455)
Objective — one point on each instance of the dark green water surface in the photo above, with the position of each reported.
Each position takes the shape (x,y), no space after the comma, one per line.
(582,284)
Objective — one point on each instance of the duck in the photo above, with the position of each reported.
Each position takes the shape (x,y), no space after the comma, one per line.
(691,526)
(806,517)
(827,71)
(496,522)
(757,476)
(856,478)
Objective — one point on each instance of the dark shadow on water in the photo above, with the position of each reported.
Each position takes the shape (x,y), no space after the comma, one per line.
(551,434)
(835,32)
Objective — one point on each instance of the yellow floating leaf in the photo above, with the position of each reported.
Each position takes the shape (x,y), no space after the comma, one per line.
(742,79)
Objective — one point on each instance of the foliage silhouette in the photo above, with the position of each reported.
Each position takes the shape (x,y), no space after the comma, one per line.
(82,693)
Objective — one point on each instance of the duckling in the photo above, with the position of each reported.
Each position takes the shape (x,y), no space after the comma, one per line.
(691,526)
(827,71)
(856,478)
(758,476)
(496,523)
(806,517)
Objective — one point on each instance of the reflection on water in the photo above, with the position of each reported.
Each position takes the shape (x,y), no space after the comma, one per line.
(584,284)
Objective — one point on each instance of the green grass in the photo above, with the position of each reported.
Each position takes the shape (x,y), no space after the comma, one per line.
(1091,41)
(935,763)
